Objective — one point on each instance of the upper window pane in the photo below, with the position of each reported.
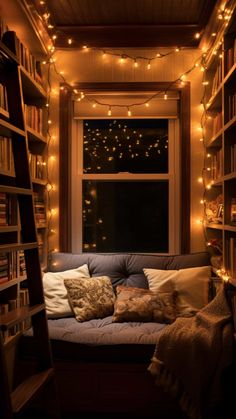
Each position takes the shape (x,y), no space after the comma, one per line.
(125,145)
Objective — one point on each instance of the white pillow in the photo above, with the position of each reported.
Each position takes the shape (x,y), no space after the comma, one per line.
(191,284)
(55,293)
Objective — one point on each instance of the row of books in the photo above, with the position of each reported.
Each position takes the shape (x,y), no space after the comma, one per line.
(217,79)
(3,97)
(232,106)
(12,304)
(216,165)
(6,156)
(34,117)
(8,266)
(39,210)
(233,158)
(37,166)
(12,265)
(8,209)
(230,57)
(25,57)
(217,123)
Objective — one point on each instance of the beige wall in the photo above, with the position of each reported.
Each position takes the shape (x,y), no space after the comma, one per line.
(90,66)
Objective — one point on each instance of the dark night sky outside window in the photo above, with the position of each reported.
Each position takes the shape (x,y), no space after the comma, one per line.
(126,145)
(125,215)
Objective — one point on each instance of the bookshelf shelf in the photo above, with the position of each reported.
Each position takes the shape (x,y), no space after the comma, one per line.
(214,226)
(35,136)
(6,129)
(17,246)
(9,229)
(18,315)
(12,282)
(229,227)
(23,394)
(216,140)
(15,190)
(34,89)
(230,124)
(41,182)
(230,76)
(214,103)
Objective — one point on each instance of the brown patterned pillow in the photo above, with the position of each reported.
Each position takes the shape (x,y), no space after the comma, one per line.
(90,298)
(143,305)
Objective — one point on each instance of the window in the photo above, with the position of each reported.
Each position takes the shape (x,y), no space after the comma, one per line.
(71,176)
(126,188)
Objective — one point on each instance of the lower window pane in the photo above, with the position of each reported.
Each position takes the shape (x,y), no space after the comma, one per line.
(125,216)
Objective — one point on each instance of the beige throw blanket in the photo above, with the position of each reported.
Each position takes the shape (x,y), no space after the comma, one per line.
(191,355)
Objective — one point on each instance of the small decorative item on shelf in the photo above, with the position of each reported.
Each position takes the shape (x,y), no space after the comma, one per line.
(214,210)
(233,211)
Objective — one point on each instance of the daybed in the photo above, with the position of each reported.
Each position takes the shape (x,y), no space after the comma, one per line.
(102,363)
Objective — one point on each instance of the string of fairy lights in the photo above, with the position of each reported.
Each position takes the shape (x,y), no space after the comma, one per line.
(215,48)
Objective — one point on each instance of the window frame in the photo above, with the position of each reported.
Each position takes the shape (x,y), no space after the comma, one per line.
(172,177)
(67,131)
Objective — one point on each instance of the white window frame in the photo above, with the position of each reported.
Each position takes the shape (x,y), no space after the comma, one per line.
(173,177)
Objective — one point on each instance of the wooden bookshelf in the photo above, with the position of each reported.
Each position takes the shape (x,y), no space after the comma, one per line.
(23,226)
(220,100)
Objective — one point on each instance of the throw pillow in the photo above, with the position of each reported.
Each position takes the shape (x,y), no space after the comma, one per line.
(142,305)
(90,298)
(191,285)
(55,293)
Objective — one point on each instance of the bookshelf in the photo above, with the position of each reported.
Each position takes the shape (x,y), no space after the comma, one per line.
(22,232)
(220,155)
(35,116)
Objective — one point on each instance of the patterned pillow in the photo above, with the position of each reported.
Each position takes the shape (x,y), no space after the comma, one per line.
(90,298)
(142,305)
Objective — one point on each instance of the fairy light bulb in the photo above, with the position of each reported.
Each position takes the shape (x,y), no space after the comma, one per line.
(94,105)
(69,41)
(176,49)
(197,35)
(165,96)
(147,105)
(135,63)
(149,65)
(109,111)
(129,112)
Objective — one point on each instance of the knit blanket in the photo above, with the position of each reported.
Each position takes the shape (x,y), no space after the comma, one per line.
(191,355)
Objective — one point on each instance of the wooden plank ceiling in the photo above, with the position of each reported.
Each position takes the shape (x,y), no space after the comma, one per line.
(128,23)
